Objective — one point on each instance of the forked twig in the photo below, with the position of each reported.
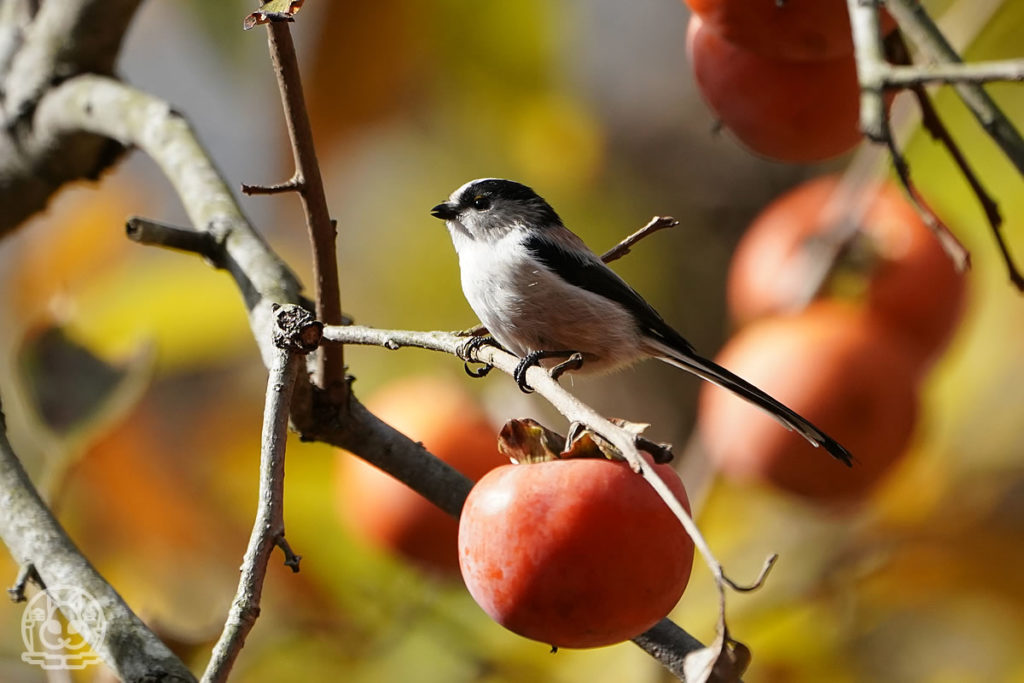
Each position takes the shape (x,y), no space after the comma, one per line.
(871,72)
(919,27)
(307,182)
(877,75)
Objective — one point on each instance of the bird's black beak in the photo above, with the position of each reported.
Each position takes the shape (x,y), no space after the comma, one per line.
(444,211)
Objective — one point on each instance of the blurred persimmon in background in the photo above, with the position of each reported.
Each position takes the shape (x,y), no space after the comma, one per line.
(838,368)
(440,413)
(901,273)
(787,110)
(794,30)
(342,99)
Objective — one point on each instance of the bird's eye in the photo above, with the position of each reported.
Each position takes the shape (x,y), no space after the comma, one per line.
(481,203)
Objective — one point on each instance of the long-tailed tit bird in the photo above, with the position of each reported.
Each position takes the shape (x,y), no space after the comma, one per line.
(542,294)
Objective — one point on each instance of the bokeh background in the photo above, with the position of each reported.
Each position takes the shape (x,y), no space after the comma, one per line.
(134,391)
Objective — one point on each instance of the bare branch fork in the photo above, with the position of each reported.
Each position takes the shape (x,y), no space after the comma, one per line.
(877,75)
(307,182)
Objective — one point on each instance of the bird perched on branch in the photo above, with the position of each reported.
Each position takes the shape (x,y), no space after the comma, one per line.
(545,296)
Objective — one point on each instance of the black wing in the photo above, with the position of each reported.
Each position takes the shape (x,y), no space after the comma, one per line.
(594,276)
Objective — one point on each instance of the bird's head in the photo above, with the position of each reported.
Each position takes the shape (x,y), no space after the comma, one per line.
(488,208)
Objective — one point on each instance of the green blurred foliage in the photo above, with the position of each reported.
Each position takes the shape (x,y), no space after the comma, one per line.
(409,100)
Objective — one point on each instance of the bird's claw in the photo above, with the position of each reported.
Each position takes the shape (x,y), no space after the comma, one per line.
(519,374)
(465,350)
(574,362)
(472,344)
(479,372)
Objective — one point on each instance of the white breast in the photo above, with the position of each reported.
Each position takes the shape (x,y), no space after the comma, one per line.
(496,279)
(527,308)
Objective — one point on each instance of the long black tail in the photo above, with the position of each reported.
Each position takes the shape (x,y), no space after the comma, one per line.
(716,374)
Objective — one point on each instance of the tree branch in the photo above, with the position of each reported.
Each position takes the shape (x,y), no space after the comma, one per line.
(538,377)
(268,528)
(1009,70)
(919,27)
(669,644)
(934,125)
(872,68)
(145,231)
(330,366)
(36,539)
(110,108)
(47,43)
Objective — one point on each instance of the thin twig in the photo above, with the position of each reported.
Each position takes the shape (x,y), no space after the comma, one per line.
(110,108)
(762,576)
(934,125)
(932,122)
(25,574)
(937,129)
(871,69)
(919,27)
(538,377)
(953,247)
(899,53)
(330,370)
(291,185)
(1008,70)
(268,528)
(622,248)
(871,66)
(719,661)
(146,231)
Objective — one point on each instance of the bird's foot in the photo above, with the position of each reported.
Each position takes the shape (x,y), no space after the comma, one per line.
(574,362)
(465,350)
